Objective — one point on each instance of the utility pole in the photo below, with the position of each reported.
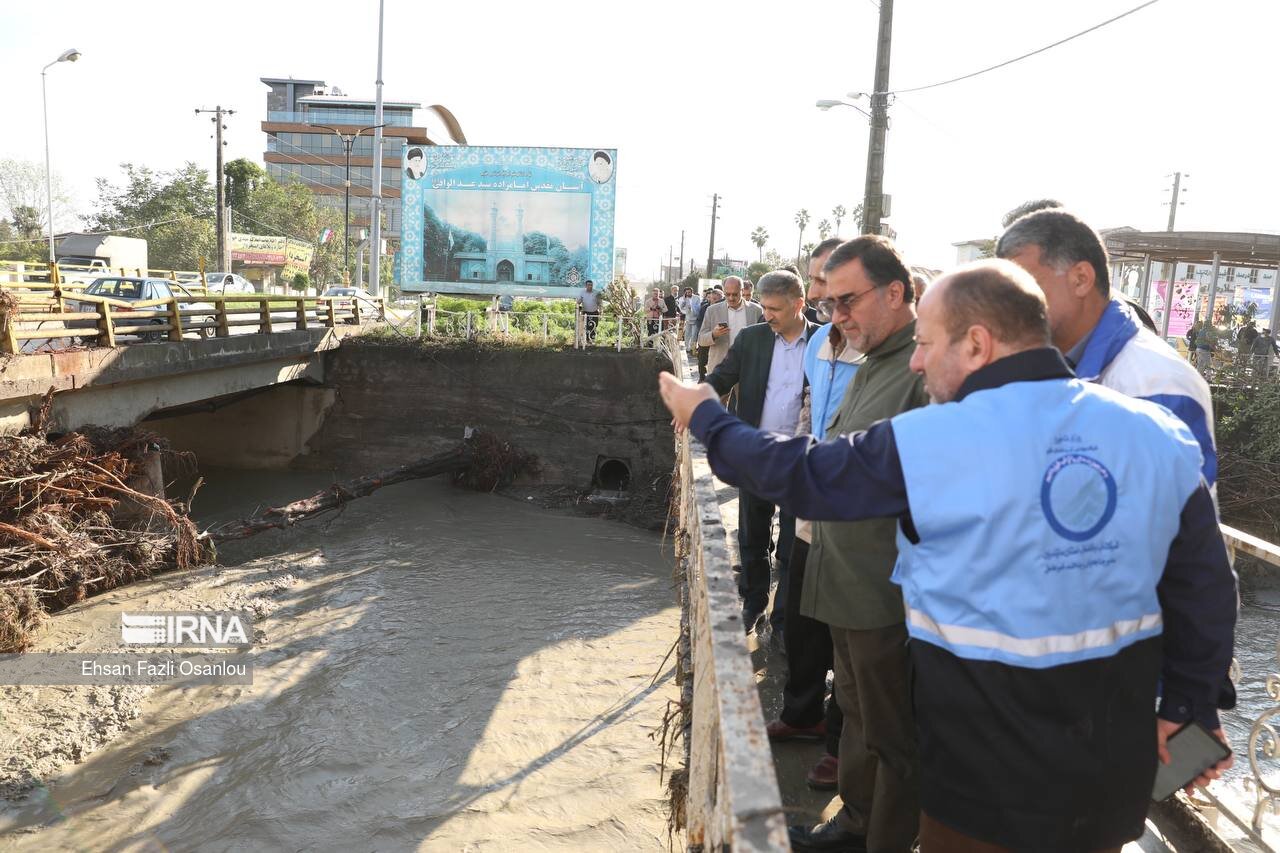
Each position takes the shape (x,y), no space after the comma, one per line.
(347,142)
(375,213)
(670,260)
(224,261)
(1172,266)
(1173,205)
(711,250)
(873,196)
(682,255)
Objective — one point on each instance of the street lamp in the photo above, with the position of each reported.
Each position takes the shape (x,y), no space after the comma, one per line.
(67,56)
(347,142)
(826,104)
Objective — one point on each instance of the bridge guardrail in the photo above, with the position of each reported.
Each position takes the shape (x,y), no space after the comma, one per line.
(733,802)
(102,319)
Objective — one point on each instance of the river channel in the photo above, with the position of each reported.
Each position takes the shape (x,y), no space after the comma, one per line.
(436,670)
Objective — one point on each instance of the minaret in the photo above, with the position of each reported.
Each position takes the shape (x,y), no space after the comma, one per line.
(493,228)
(520,230)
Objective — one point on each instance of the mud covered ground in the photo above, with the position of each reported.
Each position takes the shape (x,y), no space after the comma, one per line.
(435,670)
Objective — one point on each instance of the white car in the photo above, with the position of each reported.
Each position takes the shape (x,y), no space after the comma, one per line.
(345,296)
(227,283)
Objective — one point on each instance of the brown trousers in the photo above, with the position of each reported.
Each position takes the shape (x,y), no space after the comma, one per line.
(879,760)
(939,838)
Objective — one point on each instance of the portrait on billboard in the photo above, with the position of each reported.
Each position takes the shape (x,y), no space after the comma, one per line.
(514,221)
(601,168)
(415,163)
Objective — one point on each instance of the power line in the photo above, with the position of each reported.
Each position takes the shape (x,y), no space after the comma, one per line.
(110,230)
(973,74)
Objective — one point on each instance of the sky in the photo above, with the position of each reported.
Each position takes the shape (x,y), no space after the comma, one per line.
(711,97)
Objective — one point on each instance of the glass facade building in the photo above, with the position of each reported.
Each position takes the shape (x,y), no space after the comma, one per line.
(299,150)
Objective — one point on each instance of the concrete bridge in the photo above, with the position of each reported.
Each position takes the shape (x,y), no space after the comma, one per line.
(121,385)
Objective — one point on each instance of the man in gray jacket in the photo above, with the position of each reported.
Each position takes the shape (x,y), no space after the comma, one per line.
(724,320)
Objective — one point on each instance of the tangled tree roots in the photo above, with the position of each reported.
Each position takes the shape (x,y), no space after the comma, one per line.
(71,524)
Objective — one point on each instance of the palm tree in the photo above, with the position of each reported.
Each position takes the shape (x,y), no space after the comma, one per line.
(838,213)
(807,250)
(824,229)
(760,237)
(802,219)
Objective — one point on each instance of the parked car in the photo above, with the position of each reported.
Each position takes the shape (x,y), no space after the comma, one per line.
(124,289)
(227,283)
(346,296)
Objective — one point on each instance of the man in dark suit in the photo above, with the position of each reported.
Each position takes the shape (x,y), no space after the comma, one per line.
(766,363)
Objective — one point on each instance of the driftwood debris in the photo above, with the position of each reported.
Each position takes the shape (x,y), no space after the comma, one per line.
(73,523)
(482,462)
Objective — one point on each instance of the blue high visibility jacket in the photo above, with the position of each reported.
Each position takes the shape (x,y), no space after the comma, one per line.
(976,490)
(828,381)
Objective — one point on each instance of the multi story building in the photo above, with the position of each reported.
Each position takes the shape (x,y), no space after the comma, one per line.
(300,147)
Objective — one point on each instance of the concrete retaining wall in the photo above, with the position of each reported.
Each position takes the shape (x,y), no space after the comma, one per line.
(396,403)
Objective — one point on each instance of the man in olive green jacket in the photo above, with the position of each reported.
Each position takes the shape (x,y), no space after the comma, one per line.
(869,296)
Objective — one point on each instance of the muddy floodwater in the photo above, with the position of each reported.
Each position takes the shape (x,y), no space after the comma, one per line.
(435,670)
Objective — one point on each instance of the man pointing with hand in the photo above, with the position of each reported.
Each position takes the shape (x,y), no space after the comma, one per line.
(1059,555)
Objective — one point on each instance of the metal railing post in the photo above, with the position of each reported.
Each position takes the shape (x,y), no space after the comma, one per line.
(175,320)
(106,333)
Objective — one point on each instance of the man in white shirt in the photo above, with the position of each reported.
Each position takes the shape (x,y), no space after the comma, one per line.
(725,320)
(589,304)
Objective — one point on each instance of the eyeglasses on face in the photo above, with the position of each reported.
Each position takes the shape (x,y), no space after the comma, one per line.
(843,303)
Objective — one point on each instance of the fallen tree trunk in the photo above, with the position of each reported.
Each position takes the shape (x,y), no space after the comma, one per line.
(332,498)
(482,462)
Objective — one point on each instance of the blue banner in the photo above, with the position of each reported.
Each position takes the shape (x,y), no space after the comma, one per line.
(518,221)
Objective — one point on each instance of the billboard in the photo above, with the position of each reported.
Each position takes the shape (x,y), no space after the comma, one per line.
(1184,305)
(266,250)
(518,221)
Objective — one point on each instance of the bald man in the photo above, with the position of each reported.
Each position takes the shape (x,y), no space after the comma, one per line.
(1059,556)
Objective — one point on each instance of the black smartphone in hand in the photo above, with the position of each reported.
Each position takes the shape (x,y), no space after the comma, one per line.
(1194,749)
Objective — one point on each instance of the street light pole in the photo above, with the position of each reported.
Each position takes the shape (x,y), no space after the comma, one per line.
(375,227)
(873,195)
(66,56)
(347,142)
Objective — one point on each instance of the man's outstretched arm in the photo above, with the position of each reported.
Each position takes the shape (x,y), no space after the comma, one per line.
(848,478)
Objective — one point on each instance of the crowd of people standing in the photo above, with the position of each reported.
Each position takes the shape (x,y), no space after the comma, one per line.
(995,529)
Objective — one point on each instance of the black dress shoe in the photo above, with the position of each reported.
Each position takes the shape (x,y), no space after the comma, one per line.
(829,835)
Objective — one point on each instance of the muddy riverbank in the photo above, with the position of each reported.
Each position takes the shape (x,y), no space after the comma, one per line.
(435,670)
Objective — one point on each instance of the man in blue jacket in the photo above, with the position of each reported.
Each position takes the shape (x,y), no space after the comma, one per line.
(1101,336)
(1059,554)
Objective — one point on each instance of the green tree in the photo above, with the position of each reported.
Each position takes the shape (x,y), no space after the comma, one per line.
(760,236)
(22,185)
(757,269)
(243,178)
(300,281)
(172,210)
(802,220)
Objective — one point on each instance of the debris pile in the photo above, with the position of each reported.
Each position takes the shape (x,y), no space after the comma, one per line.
(73,521)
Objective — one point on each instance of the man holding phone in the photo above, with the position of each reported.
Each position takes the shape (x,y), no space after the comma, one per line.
(724,320)
(1059,554)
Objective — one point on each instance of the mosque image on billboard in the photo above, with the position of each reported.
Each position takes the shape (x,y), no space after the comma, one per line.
(506,237)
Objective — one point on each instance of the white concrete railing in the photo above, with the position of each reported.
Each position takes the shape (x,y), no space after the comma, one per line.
(733,802)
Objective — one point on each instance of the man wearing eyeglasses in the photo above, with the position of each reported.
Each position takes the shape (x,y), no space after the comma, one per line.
(726,320)
(847,586)
(829,366)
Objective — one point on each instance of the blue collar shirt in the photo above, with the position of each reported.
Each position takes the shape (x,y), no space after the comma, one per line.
(783,394)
